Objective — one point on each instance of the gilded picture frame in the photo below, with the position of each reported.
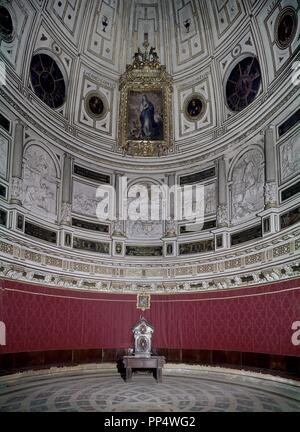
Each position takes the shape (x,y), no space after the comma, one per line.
(145,126)
(143,301)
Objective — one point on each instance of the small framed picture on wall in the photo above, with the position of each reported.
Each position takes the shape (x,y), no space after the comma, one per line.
(143,301)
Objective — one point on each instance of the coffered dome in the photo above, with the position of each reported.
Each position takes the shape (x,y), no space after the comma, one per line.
(225,56)
(224,81)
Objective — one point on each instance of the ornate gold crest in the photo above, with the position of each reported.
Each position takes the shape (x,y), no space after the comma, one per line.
(145,126)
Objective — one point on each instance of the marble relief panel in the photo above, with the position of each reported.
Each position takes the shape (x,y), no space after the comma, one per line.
(144,230)
(84,198)
(247,189)
(3,156)
(151,251)
(290,157)
(147,229)
(210,198)
(39,182)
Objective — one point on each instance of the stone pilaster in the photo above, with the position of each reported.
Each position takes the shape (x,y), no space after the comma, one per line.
(171,183)
(66,205)
(271,199)
(118,224)
(17,162)
(222,205)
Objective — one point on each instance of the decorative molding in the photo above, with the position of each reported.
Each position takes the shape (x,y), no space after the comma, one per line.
(254,278)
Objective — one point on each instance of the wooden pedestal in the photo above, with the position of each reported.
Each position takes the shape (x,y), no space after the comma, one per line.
(153,362)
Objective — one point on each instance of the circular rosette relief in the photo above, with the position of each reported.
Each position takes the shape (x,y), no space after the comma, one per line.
(286,27)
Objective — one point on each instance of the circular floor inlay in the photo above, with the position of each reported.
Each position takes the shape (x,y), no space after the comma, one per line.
(96,391)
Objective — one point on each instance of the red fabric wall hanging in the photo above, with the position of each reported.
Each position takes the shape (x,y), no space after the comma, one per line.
(256,319)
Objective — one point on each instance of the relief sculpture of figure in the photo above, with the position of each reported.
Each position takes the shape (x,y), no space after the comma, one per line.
(248,184)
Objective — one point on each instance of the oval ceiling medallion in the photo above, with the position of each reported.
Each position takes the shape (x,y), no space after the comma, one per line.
(286,27)
(47,80)
(195,107)
(6,24)
(243,84)
(96,105)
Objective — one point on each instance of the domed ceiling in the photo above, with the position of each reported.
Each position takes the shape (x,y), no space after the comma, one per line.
(222,55)
(217,82)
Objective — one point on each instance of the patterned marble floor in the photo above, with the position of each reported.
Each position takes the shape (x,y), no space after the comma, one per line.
(182,389)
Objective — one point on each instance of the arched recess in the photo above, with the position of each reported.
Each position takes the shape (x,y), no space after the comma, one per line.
(246,180)
(41,179)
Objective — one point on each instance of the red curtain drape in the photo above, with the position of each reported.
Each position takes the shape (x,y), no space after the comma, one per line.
(256,319)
